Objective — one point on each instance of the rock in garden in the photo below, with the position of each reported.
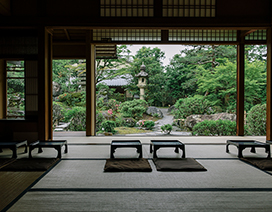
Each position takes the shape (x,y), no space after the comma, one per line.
(153,110)
(171,108)
(192,120)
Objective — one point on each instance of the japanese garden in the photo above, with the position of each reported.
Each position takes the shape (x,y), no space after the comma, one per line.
(198,88)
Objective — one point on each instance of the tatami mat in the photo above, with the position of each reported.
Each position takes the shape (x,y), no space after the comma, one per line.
(144,201)
(220,174)
(78,182)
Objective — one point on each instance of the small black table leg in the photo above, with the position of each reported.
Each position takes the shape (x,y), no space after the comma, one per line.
(253,150)
(66,148)
(150,149)
(227,148)
(183,151)
(176,150)
(112,151)
(139,150)
(58,148)
(155,151)
(14,152)
(40,150)
(30,150)
(240,149)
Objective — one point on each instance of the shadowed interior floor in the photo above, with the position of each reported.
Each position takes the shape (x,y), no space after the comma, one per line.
(78,182)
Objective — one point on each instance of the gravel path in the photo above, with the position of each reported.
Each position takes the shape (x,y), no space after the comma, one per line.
(167,119)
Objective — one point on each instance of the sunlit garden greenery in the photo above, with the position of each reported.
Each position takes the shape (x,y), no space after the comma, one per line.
(199,80)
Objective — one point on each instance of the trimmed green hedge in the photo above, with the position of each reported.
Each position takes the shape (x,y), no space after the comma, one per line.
(256,120)
(218,128)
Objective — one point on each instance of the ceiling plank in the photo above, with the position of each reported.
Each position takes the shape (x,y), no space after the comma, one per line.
(5,7)
(67,34)
(247,32)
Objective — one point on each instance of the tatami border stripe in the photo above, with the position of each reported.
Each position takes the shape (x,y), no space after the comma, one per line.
(108,144)
(150,190)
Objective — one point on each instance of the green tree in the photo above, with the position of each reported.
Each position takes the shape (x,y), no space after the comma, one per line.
(219,86)
(152,59)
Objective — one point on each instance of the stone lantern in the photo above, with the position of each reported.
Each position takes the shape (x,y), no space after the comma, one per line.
(142,81)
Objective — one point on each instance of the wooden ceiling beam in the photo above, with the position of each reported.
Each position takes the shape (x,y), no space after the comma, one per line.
(5,7)
(244,33)
(67,34)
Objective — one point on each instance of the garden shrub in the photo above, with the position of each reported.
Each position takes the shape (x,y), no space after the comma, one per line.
(129,122)
(135,108)
(256,120)
(58,113)
(108,126)
(77,119)
(212,127)
(192,105)
(167,128)
(72,99)
(99,119)
(113,104)
(146,124)
(149,124)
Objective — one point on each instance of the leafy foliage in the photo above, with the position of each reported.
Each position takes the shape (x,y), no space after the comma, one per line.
(192,105)
(152,58)
(167,128)
(77,117)
(219,86)
(256,120)
(73,99)
(149,124)
(135,108)
(58,112)
(215,128)
(108,126)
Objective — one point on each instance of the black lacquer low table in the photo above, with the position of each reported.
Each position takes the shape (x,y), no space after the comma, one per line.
(56,144)
(242,144)
(126,144)
(157,144)
(13,145)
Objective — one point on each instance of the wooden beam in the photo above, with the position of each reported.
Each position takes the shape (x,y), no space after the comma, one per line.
(244,33)
(269,86)
(67,34)
(5,7)
(240,85)
(90,86)
(44,87)
(3,90)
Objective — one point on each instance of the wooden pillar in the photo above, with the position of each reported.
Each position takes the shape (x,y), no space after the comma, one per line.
(240,85)
(45,85)
(269,86)
(90,86)
(3,89)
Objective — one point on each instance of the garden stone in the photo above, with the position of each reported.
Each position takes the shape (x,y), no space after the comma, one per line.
(154,110)
(106,115)
(192,120)
(56,89)
(171,108)
(130,122)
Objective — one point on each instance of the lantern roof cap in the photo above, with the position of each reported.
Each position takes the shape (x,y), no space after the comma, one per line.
(142,72)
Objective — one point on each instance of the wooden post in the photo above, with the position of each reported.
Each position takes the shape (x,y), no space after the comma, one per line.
(3,90)
(45,85)
(269,86)
(90,86)
(240,85)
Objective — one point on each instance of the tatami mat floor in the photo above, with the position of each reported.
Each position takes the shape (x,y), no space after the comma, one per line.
(78,182)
